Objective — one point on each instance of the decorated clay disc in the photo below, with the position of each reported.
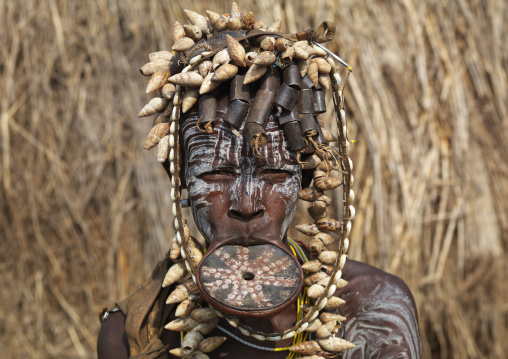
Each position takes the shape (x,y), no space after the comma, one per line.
(253,278)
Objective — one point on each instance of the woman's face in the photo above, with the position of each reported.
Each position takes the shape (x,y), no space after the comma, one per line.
(237,198)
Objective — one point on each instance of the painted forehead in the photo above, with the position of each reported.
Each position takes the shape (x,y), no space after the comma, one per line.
(224,148)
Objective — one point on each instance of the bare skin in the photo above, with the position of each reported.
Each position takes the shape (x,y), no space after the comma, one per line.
(239,199)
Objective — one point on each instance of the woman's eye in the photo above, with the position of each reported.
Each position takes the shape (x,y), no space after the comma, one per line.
(217,176)
(275,175)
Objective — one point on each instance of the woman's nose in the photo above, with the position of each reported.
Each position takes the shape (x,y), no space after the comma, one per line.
(246,202)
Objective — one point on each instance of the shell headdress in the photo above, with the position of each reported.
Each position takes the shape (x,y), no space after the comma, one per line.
(236,48)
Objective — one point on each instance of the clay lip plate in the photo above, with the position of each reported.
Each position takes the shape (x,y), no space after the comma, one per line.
(256,280)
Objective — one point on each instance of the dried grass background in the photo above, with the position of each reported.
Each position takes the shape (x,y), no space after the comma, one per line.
(84,209)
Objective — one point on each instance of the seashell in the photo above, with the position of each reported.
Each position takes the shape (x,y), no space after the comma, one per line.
(174,252)
(184,308)
(312,266)
(254,73)
(204,68)
(313,72)
(250,57)
(268,43)
(310,194)
(309,229)
(234,24)
(328,225)
(195,255)
(341,283)
(198,20)
(334,303)
(187,79)
(335,344)
(175,272)
(178,352)
(315,291)
(178,31)
(209,344)
(193,32)
(191,286)
(303,65)
(265,58)
(152,67)
(327,238)
(327,329)
(168,91)
(324,80)
(225,72)
(191,341)
(327,257)
(181,324)
(236,51)
(281,44)
(329,137)
(204,314)
(190,97)
(236,12)
(325,184)
(316,246)
(183,44)
(301,50)
(156,134)
(314,278)
(308,347)
(165,55)
(288,54)
(208,85)
(259,25)
(163,149)
(157,80)
(248,21)
(326,317)
(206,327)
(313,325)
(178,295)
(275,27)
(218,21)
(220,58)
(322,64)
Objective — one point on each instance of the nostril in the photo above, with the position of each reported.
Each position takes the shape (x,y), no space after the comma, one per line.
(241,215)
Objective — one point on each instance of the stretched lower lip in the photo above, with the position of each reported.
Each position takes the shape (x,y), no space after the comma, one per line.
(250,281)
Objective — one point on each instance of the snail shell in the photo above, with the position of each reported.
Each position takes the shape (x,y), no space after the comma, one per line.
(327,183)
(315,291)
(220,58)
(311,266)
(204,68)
(323,66)
(187,79)
(198,355)
(329,317)
(181,324)
(163,149)
(178,295)
(168,91)
(250,57)
(236,12)
(191,341)
(191,286)
(152,67)
(316,246)
(329,137)
(327,257)
(174,253)
(311,162)
(165,55)
(335,344)
(198,20)
(184,308)
(236,51)
(156,134)
(313,325)
(308,347)
(317,210)
(254,73)
(310,194)
(313,72)
(327,238)
(225,72)
(301,50)
(324,80)
(314,50)
(309,229)
(195,255)
(208,85)
(341,283)
(328,225)
(234,24)
(312,279)
(209,344)
(218,21)
(206,327)
(324,281)
(288,53)
(326,268)
(303,65)
(328,329)
(248,21)
(178,352)
(174,273)
(157,80)
(193,32)
(268,43)
(334,303)
(204,314)
(178,31)
(259,25)
(281,44)
(183,44)
(190,97)
(265,58)
(275,27)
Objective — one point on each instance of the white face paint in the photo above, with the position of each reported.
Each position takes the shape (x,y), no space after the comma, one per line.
(234,194)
